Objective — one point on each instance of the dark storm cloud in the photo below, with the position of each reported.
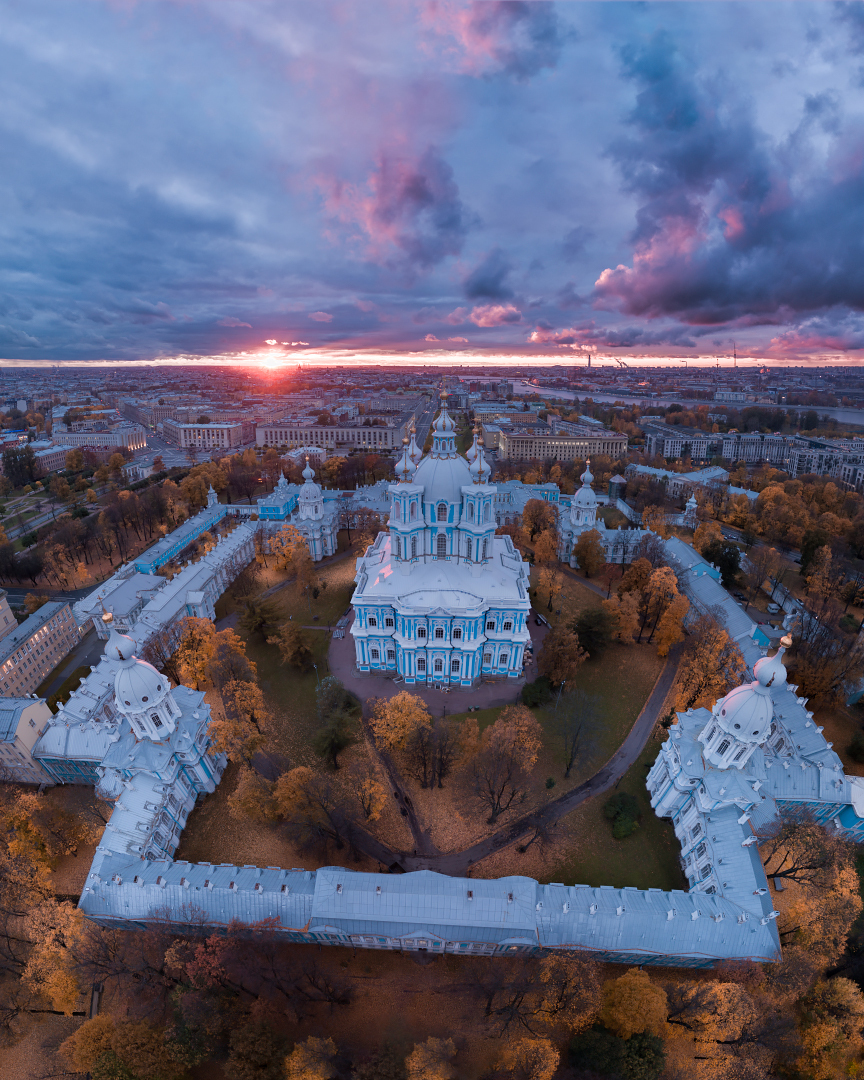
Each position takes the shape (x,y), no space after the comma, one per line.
(489,278)
(728,224)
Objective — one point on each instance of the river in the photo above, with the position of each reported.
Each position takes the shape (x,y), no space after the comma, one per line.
(854,417)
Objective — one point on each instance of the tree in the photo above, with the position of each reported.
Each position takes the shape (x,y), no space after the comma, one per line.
(371,793)
(257,1053)
(195,651)
(335,709)
(726,557)
(158,464)
(431,1060)
(635,577)
(311,1060)
(633,1004)
(831,1029)
(654,518)
(240,731)
(19,465)
(624,813)
(160,651)
(594,627)
(89,1045)
(640,1057)
(561,655)
(32,602)
(813,540)
(711,666)
(538,516)
(824,662)
(589,553)
(313,807)
(658,594)
(576,714)
(507,754)
(293,646)
(252,797)
(394,720)
(258,614)
(549,581)
(530,1059)
(623,611)
(670,629)
(74,461)
(709,532)
(116,463)
(229,662)
(546,547)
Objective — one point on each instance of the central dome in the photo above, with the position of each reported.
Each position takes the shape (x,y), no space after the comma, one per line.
(139,686)
(746,712)
(443,478)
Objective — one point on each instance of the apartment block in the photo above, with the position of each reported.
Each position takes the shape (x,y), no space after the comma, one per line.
(22,722)
(349,437)
(31,651)
(519,446)
(126,436)
(208,436)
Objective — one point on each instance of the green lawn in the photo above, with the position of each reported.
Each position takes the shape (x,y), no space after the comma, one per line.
(647,859)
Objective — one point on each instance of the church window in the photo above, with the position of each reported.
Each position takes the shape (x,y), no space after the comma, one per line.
(701,850)
(398,547)
(508,625)
(470,511)
(155,718)
(421,664)
(487,658)
(442,512)
(421,631)
(741,753)
(439,665)
(490,625)
(457,634)
(439,632)
(374,654)
(413,547)
(696,830)
(487,512)
(706,871)
(468,549)
(373,621)
(397,512)
(723,747)
(711,734)
(391,654)
(441,543)
(502,659)
(485,542)
(454,666)
(413,511)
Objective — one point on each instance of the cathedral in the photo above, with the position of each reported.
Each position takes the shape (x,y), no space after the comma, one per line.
(440,598)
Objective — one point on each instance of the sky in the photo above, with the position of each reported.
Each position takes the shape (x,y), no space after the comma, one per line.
(266,180)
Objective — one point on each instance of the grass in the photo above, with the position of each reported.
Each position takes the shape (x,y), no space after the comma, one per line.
(65,690)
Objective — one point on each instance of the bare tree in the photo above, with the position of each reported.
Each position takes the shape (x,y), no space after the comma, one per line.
(574,718)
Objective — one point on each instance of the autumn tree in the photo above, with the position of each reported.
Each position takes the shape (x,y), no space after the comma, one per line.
(258,615)
(589,553)
(240,731)
(394,720)
(160,650)
(256,1053)
(195,651)
(670,628)
(432,749)
(311,1060)
(502,767)
(654,518)
(538,516)
(824,661)
(833,1018)
(711,666)
(561,655)
(546,547)
(431,1060)
(657,595)
(229,662)
(368,788)
(708,532)
(312,808)
(32,602)
(293,646)
(635,577)
(763,564)
(549,581)
(623,611)
(632,1004)
(252,797)
(530,1058)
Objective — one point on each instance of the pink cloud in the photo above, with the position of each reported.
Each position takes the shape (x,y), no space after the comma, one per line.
(457,317)
(431,337)
(231,321)
(495,315)
(464,340)
(321,316)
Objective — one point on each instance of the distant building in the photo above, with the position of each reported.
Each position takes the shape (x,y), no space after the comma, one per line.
(31,651)
(169,546)
(517,446)
(49,459)
(678,484)
(207,436)
(348,436)
(22,722)
(125,436)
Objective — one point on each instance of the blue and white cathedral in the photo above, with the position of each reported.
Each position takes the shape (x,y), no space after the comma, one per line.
(441,598)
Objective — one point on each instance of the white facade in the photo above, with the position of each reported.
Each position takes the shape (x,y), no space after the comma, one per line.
(441,598)
(581,517)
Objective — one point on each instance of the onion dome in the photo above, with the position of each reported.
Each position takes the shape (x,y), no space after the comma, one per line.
(308,472)
(585,496)
(471,452)
(479,468)
(691,503)
(770,670)
(414,451)
(746,712)
(444,422)
(406,468)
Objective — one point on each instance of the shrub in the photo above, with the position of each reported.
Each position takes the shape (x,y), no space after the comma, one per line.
(848,623)
(856,747)
(624,813)
(594,628)
(537,692)
(640,1057)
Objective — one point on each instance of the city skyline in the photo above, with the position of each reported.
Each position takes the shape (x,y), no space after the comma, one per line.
(438,182)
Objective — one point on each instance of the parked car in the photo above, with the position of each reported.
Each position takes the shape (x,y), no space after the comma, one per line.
(773,609)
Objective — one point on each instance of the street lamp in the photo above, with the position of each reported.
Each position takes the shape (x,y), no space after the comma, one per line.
(560,688)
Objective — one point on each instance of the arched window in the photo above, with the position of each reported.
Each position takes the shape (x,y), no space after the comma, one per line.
(441,545)
(485,542)
(413,547)
(155,718)
(398,547)
(421,665)
(470,511)
(372,621)
(741,753)
(487,513)
(421,631)
(397,512)
(373,653)
(454,666)
(439,632)
(439,665)
(723,747)
(468,549)
(412,513)
(442,511)
(508,626)
(457,634)
(502,659)
(487,658)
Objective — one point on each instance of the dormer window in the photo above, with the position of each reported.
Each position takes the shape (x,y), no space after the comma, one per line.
(156,721)
(442,511)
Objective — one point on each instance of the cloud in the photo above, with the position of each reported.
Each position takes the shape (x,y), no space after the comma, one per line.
(231,321)
(589,334)
(488,280)
(321,316)
(831,332)
(728,225)
(272,341)
(574,243)
(495,315)
(410,208)
(463,340)
(514,38)
(431,337)
(457,316)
